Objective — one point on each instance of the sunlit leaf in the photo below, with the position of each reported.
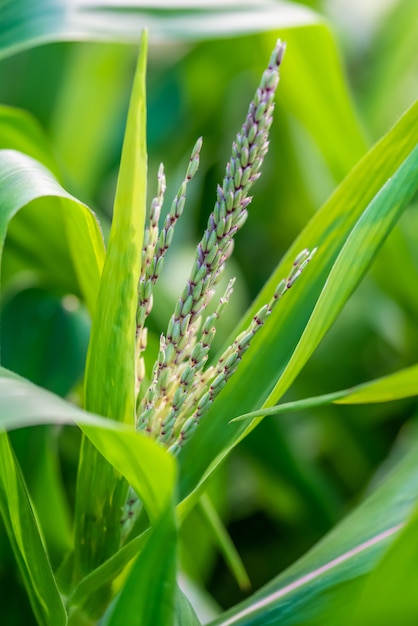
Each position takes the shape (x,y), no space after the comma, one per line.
(110,370)
(24,25)
(146,465)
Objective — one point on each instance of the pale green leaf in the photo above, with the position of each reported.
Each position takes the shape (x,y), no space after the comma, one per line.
(144,463)
(110,370)
(25,25)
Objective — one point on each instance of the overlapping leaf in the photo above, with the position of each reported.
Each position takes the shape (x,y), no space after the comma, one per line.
(110,372)
(270,353)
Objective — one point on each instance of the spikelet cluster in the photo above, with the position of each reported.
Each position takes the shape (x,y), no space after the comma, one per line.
(181,386)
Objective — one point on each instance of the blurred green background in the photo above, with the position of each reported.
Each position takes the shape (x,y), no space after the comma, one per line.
(344,83)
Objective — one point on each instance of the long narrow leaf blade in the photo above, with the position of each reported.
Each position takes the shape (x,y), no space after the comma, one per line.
(26,541)
(272,349)
(24,25)
(149,593)
(389,595)
(362,245)
(110,372)
(349,552)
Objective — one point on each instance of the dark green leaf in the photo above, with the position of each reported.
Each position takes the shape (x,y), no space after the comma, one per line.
(26,541)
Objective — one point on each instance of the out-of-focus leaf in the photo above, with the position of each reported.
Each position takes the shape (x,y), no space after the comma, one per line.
(37,453)
(26,182)
(224,542)
(391,66)
(110,370)
(185,615)
(20,131)
(303,593)
(26,25)
(146,465)
(312,60)
(90,105)
(26,541)
(88,594)
(273,347)
(44,338)
(389,594)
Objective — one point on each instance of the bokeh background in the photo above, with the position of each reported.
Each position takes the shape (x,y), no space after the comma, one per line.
(344,83)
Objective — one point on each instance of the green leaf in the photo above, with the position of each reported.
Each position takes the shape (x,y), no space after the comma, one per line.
(147,466)
(389,594)
(19,130)
(143,462)
(110,372)
(185,615)
(89,595)
(361,246)
(302,594)
(224,542)
(110,390)
(312,60)
(149,592)
(26,183)
(25,25)
(91,101)
(402,384)
(271,351)
(26,541)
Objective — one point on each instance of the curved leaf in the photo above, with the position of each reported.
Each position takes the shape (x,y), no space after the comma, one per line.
(397,386)
(19,130)
(25,183)
(353,261)
(144,463)
(25,25)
